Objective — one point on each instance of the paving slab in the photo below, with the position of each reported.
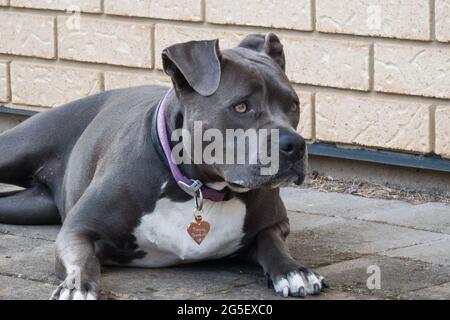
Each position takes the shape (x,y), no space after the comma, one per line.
(13,288)
(398,276)
(301,221)
(441,292)
(429,216)
(437,252)
(339,241)
(28,258)
(211,280)
(335,204)
(35,232)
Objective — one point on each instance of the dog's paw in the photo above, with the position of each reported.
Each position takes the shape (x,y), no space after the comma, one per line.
(298,283)
(64,292)
(71,289)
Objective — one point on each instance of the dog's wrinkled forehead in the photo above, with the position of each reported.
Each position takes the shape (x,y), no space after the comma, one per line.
(200,67)
(254,70)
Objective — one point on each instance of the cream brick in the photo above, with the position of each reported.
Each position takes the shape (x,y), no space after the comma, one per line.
(167,35)
(412,70)
(331,63)
(116,80)
(371,122)
(4,3)
(442,119)
(306,124)
(64,5)
(27,34)
(405,19)
(443,20)
(44,85)
(110,42)
(4,81)
(288,14)
(190,10)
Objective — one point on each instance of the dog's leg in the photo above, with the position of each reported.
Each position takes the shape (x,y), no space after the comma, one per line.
(76,259)
(285,274)
(33,206)
(77,264)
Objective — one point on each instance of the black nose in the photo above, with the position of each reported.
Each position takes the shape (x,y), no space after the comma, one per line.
(292,146)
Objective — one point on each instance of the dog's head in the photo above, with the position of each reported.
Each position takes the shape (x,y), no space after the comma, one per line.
(240,93)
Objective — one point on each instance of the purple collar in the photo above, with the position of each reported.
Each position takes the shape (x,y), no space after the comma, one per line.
(192,187)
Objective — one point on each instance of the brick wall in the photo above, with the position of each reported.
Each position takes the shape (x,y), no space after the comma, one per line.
(369,73)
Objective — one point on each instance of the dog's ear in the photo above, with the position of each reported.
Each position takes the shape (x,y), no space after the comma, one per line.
(269,44)
(195,64)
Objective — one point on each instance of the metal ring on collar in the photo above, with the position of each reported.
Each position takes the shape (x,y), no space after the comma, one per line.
(199,200)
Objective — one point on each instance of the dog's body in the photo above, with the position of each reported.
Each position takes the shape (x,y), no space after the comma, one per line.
(92,164)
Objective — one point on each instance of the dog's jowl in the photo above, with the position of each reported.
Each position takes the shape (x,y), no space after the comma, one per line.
(104,167)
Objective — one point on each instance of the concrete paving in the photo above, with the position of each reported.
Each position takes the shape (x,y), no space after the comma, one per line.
(342,236)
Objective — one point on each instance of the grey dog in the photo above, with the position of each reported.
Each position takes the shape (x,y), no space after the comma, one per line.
(96,166)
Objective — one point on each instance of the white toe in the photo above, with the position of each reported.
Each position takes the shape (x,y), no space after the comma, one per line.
(282,286)
(313,281)
(65,294)
(295,282)
(91,296)
(79,295)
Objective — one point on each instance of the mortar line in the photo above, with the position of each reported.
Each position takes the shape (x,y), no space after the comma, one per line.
(153,46)
(8,81)
(372,67)
(313,15)
(27,278)
(55,37)
(431,286)
(383,252)
(314,117)
(432,128)
(203,9)
(433,20)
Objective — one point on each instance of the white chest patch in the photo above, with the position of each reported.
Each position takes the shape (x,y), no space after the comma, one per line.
(163,234)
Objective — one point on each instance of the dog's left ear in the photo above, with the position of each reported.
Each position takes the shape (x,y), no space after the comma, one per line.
(195,64)
(269,44)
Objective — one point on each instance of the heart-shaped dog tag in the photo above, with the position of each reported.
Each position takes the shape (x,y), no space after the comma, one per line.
(198,230)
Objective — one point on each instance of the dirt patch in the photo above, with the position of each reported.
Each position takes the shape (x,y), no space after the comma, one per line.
(370,190)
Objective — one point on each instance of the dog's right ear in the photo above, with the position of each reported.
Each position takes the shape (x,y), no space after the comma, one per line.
(194,65)
(270,44)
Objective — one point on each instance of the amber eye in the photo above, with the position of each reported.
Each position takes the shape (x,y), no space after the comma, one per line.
(294,107)
(241,108)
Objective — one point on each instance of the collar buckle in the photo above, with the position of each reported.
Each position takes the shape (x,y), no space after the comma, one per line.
(195,190)
(192,189)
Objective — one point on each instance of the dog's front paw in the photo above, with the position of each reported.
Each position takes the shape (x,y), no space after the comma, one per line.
(298,283)
(71,289)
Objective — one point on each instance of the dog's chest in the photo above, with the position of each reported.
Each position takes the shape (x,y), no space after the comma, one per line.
(163,234)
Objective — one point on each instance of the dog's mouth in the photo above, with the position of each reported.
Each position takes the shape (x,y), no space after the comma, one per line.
(292,175)
(237,185)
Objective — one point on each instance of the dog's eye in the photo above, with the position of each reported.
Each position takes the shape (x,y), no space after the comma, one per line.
(294,107)
(241,108)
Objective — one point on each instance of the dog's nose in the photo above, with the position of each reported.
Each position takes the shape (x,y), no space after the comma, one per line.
(292,146)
